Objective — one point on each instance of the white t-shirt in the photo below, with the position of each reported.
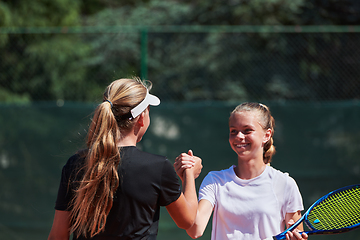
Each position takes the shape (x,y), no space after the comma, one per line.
(250,209)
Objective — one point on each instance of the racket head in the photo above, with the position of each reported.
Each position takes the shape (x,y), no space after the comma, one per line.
(336,212)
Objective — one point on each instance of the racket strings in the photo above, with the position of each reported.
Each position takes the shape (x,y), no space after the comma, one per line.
(337,211)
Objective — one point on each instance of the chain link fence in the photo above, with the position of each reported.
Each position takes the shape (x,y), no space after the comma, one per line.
(185,63)
(308,76)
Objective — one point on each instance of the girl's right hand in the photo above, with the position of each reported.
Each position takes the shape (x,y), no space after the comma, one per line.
(188,161)
(295,234)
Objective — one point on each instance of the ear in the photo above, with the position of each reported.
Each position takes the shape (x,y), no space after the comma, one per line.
(140,121)
(267,135)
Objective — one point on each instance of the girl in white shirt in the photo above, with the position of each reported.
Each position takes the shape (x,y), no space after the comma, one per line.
(250,200)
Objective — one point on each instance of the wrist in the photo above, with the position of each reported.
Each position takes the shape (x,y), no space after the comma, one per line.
(188,174)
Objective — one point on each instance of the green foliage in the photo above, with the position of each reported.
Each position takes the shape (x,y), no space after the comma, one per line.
(183,66)
(5,15)
(186,65)
(44,13)
(58,72)
(61,59)
(269,12)
(5,20)
(48,66)
(7,96)
(247,12)
(120,53)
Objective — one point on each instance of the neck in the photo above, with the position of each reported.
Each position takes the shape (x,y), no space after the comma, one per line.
(249,169)
(127,139)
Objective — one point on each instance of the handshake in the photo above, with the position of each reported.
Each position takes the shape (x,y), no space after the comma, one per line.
(189,164)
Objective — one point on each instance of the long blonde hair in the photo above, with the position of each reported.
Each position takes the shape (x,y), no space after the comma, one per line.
(94,197)
(266,121)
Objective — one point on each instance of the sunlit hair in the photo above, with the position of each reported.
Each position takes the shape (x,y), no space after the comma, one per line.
(94,197)
(266,120)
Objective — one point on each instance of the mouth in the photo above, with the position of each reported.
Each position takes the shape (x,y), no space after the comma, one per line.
(241,145)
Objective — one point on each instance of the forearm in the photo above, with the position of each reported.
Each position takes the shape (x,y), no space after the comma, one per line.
(184,209)
(60,227)
(293,217)
(195,231)
(203,215)
(189,191)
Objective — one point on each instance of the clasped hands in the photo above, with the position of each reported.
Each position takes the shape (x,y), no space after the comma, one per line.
(187,162)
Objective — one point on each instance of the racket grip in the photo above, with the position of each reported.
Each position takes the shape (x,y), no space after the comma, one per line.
(283,236)
(280,236)
(271,238)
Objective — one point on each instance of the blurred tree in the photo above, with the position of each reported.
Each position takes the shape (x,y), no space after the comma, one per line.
(330,59)
(58,73)
(247,12)
(335,12)
(187,66)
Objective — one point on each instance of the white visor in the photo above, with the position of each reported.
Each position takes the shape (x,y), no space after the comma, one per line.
(148,100)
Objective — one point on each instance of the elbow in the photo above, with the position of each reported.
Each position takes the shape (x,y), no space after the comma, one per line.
(51,236)
(194,235)
(195,232)
(58,236)
(185,224)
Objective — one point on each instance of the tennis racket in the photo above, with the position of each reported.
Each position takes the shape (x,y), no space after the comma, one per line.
(336,212)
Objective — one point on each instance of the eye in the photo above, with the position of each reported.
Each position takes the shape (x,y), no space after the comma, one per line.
(248,130)
(233,131)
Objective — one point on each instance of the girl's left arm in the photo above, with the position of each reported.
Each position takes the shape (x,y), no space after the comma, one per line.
(290,219)
(61,226)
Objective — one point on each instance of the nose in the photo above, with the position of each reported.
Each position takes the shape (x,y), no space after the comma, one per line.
(240,135)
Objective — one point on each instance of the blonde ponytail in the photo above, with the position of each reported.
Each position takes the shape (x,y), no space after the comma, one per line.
(94,197)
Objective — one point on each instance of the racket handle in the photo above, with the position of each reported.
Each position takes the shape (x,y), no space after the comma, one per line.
(283,235)
(270,238)
(279,237)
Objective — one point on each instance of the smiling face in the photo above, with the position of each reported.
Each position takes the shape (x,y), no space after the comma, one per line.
(246,136)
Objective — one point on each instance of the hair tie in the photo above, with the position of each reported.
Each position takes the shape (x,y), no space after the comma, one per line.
(109,102)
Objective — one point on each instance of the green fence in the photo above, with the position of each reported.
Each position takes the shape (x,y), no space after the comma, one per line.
(185,63)
(308,75)
(318,144)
